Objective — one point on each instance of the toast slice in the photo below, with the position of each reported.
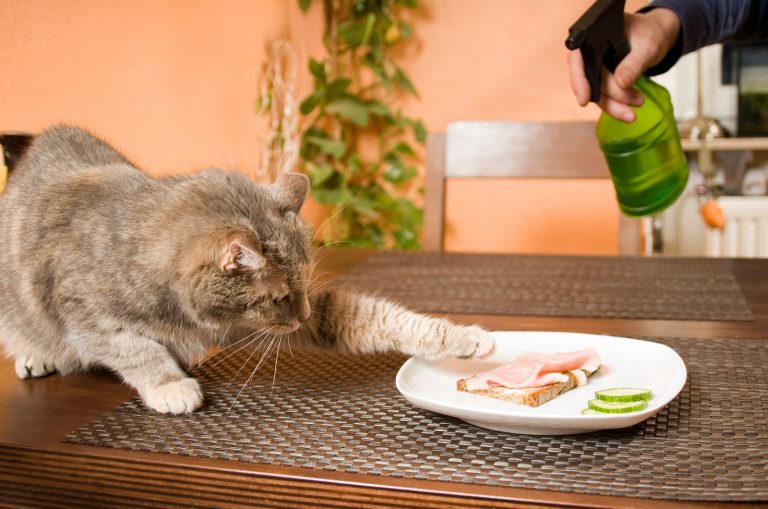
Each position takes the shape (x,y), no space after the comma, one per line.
(531,396)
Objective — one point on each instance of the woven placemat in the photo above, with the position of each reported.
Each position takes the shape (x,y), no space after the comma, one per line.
(343,413)
(662,288)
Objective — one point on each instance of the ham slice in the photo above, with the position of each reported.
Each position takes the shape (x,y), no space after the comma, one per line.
(536,370)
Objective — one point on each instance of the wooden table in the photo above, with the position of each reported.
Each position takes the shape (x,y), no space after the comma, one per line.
(37,469)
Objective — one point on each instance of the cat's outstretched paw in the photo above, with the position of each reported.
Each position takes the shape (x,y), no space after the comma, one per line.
(466,342)
(470,342)
(179,397)
(28,366)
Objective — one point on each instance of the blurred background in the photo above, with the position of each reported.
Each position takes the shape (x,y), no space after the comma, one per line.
(173,84)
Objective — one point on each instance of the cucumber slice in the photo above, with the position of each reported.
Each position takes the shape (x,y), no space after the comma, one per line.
(589,411)
(616,407)
(624,394)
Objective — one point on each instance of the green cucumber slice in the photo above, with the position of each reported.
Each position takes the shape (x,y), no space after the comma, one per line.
(589,411)
(616,407)
(624,394)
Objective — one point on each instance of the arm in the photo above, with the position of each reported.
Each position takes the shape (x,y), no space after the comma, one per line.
(706,22)
(659,35)
(346,321)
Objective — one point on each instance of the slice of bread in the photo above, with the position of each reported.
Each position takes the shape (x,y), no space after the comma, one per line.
(531,396)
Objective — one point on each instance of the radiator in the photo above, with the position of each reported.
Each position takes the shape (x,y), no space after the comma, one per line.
(746,229)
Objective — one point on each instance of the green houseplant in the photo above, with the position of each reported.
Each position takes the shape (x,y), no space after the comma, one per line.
(359,152)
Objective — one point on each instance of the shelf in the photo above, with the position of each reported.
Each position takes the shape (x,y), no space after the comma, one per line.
(726,144)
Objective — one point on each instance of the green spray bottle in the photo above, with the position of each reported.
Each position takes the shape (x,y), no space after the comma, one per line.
(646,160)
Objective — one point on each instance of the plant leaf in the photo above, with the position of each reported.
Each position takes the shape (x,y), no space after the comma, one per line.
(353,161)
(317,69)
(357,33)
(378,108)
(334,148)
(320,174)
(350,109)
(403,148)
(399,173)
(419,131)
(405,30)
(404,82)
(406,238)
(365,206)
(370,24)
(304,5)
(372,61)
(336,88)
(329,196)
(308,104)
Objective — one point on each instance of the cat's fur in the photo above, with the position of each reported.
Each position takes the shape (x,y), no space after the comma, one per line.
(102,265)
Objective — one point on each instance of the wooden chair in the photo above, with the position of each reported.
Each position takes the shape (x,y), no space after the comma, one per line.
(494,149)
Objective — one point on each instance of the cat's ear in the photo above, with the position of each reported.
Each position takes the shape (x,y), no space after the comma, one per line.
(292,189)
(239,254)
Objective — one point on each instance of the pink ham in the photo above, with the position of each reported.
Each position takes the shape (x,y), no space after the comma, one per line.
(535,370)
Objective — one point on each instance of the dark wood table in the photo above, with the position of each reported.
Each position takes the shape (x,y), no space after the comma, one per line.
(37,469)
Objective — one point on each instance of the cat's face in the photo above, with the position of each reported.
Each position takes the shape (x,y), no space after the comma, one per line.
(257,280)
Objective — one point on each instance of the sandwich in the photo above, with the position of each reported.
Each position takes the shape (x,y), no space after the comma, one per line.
(534,378)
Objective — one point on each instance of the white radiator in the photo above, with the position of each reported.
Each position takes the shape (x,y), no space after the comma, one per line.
(746,229)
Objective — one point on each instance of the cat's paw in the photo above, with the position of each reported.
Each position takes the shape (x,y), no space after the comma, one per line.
(179,397)
(30,366)
(464,342)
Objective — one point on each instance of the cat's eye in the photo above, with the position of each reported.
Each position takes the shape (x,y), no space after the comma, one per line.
(280,298)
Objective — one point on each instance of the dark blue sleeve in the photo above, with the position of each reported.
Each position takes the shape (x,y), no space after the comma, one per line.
(705,22)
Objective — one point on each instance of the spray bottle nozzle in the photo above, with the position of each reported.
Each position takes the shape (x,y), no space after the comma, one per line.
(599,33)
(575,39)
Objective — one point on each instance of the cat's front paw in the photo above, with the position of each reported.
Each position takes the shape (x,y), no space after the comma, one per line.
(30,366)
(466,342)
(179,397)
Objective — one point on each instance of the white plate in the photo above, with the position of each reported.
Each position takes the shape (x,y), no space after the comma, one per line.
(626,363)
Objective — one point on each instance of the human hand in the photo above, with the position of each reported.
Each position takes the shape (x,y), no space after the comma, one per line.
(651,35)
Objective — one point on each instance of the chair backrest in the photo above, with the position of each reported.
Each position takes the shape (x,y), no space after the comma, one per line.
(501,149)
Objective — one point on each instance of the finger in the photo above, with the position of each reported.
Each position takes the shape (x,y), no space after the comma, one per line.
(629,70)
(613,90)
(616,109)
(579,83)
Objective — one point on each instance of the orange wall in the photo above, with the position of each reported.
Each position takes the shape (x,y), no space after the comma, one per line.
(172,83)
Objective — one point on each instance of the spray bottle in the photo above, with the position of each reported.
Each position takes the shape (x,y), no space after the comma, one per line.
(645,158)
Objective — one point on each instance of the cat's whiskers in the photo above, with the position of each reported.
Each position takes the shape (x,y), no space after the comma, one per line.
(226,332)
(277,357)
(320,282)
(226,348)
(288,343)
(342,242)
(221,340)
(320,228)
(258,365)
(232,345)
(261,337)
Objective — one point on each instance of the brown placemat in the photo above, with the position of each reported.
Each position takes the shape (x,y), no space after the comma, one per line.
(664,288)
(343,413)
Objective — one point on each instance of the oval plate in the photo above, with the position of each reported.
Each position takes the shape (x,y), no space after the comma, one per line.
(626,363)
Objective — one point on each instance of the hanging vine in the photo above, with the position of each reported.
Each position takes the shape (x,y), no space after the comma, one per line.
(278,102)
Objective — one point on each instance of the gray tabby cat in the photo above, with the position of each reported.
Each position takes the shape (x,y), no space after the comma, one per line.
(102,265)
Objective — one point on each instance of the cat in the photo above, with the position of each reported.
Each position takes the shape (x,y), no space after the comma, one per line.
(102,265)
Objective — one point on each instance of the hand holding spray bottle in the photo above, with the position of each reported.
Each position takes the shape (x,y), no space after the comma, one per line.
(645,158)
